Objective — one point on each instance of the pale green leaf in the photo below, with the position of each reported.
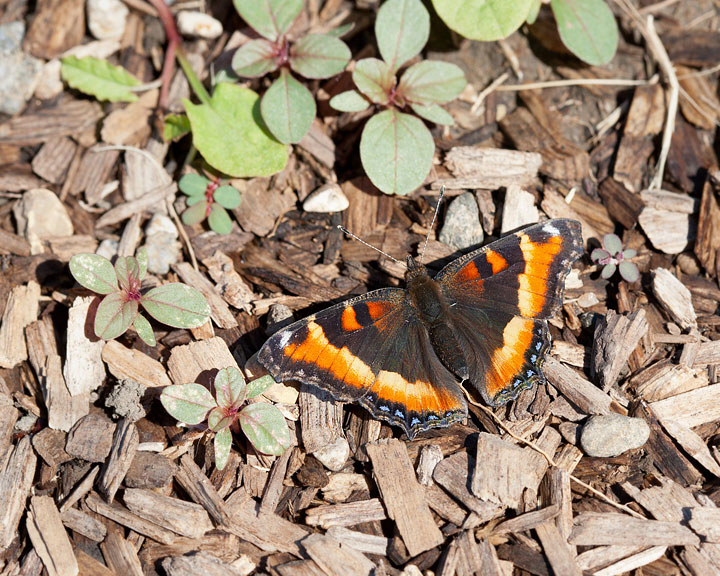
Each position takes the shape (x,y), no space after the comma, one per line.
(612,243)
(396,150)
(265,427)
(232,136)
(485,20)
(196,213)
(254,59)
(219,419)
(229,388)
(432,82)
(534,11)
(433,113)
(99,78)
(629,272)
(192,184)
(350,101)
(269,18)
(588,28)
(176,305)
(219,220)
(288,109)
(94,273)
(374,79)
(144,330)
(188,403)
(319,56)
(259,385)
(114,315)
(127,270)
(227,196)
(142,260)
(176,126)
(402,28)
(222,445)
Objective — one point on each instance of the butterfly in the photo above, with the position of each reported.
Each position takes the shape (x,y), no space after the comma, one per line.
(402,353)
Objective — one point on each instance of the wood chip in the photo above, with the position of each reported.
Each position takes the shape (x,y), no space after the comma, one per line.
(692,408)
(616,337)
(693,444)
(148,202)
(51,163)
(666,219)
(403,496)
(121,555)
(84,370)
(94,173)
(627,565)
(559,553)
(489,168)
(365,543)
(206,564)
(579,391)
(124,447)
(20,310)
(707,243)
(219,310)
(64,410)
(68,28)
(199,488)
(91,438)
(347,514)
(594,529)
(706,523)
(17,469)
(336,560)
(84,524)
(185,518)
(320,418)
(89,566)
(130,363)
(623,206)
(663,380)
(674,297)
(518,210)
(49,538)
(186,363)
(228,283)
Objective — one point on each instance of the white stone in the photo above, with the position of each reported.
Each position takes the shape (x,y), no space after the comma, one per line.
(19,71)
(106,18)
(198,25)
(333,456)
(609,435)
(161,224)
(327,198)
(40,215)
(161,243)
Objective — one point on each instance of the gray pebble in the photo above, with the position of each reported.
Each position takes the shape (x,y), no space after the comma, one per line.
(279,316)
(462,228)
(161,243)
(19,71)
(608,435)
(126,400)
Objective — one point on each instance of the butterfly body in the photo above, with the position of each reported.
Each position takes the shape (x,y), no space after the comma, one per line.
(401,353)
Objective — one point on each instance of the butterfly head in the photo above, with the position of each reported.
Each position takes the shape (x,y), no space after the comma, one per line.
(414,269)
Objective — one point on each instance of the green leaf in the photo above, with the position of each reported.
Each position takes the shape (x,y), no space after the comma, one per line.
(222,444)
(534,11)
(232,136)
(127,270)
(432,82)
(142,260)
(144,330)
(402,29)
(608,270)
(230,388)
(265,426)
(629,253)
(219,220)
(227,196)
(254,59)
(218,419)
(340,31)
(288,109)
(99,78)
(188,403)
(483,19)
(259,385)
(94,273)
(629,271)
(587,28)
(176,126)
(375,79)
(115,315)
(433,113)
(176,305)
(396,150)
(193,184)
(195,213)
(350,101)
(269,18)
(319,56)
(612,243)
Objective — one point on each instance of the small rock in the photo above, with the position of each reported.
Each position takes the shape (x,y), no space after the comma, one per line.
(279,316)
(333,456)
(40,215)
(518,210)
(91,438)
(149,470)
(161,243)
(571,432)
(462,227)
(126,400)
(106,18)
(20,72)
(327,198)
(198,25)
(108,248)
(25,424)
(608,435)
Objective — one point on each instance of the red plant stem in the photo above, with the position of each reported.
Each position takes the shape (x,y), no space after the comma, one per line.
(174,45)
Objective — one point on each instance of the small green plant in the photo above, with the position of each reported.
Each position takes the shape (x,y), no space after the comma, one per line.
(208,200)
(612,257)
(287,107)
(262,423)
(586,27)
(99,78)
(396,148)
(174,304)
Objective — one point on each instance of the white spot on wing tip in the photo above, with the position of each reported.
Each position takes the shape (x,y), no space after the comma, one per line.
(552,230)
(284,338)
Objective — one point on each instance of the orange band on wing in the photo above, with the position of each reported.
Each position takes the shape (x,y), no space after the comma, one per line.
(506,362)
(415,396)
(349,320)
(468,273)
(495,260)
(339,363)
(379,309)
(534,281)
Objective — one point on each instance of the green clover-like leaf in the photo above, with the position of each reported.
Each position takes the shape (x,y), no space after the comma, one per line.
(94,273)
(396,150)
(533,11)
(144,330)
(629,253)
(288,108)
(230,388)
(375,79)
(259,385)
(265,427)
(227,196)
(188,403)
(232,136)
(319,56)
(350,101)
(222,445)
(255,58)
(588,28)
(485,20)
(629,271)
(433,113)
(193,185)
(612,243)
(402,29)
(195,213)
(599,254)
(219,220)
(176,305)
(115,314)
(218,419)
(608,270)
(269,18)
(99,78)
(432,82)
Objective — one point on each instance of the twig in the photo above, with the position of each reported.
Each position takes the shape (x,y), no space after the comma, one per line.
(573,82)
(487,91)
(183,234)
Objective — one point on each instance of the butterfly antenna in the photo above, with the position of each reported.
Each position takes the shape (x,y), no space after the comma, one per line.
(432,224)
(369,245)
